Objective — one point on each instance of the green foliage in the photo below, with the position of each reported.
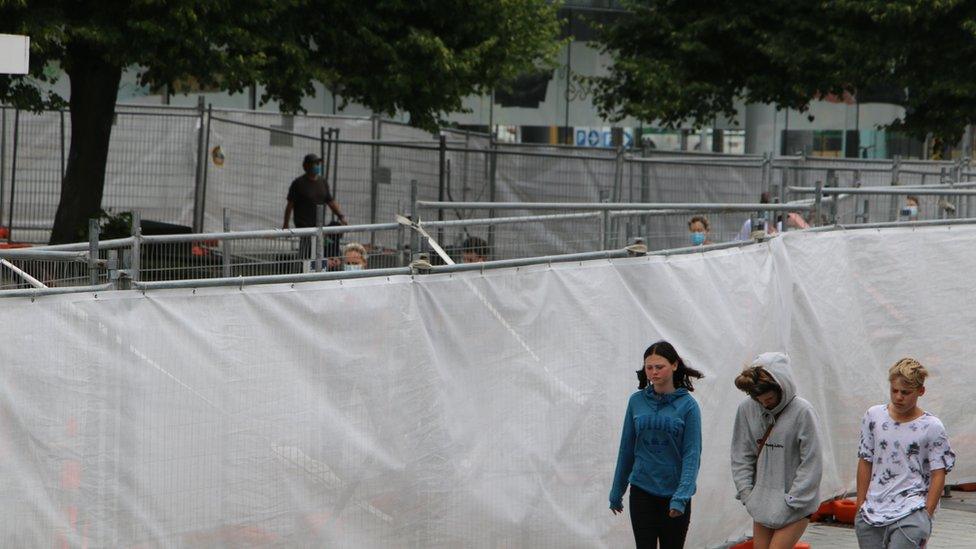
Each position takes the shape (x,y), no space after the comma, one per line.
(691,60)
(421,57)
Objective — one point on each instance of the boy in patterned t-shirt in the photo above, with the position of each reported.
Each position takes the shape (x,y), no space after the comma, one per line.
(904,457)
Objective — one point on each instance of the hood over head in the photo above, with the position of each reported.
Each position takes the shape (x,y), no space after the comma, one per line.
(778,365)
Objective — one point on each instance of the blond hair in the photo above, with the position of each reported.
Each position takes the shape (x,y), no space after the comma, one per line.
(910,370)
(355,247)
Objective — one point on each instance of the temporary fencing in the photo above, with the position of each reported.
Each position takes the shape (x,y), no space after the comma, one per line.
(190,167)
(476,409)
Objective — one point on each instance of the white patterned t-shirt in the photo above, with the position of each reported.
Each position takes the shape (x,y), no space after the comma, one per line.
(903,456)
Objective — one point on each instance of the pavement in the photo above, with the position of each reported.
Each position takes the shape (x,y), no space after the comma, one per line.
(954,527)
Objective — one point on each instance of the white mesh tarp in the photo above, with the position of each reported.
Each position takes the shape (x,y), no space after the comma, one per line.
(475,410)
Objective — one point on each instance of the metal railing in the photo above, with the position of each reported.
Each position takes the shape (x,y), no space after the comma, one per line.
(421,268)
(186,166)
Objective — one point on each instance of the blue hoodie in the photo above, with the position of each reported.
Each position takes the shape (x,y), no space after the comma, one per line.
(660,447)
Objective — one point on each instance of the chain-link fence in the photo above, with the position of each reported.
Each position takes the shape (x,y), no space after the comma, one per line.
(196,169)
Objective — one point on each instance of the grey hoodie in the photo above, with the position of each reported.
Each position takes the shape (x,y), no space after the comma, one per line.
(786,484)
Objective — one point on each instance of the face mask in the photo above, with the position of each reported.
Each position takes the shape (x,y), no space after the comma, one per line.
(697,239)
(351,267)
(913,211)
(317,169)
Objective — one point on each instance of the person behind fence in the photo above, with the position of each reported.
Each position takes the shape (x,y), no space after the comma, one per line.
(660,450)
(777,462)
(305,193)
(699,229)
(354,257)
(903,458)
(910,211)
(474,250)
(746,231)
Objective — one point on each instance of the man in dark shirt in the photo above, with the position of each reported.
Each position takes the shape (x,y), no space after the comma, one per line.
(306,192)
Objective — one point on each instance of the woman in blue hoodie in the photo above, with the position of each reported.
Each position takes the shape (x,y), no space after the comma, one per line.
(660,450)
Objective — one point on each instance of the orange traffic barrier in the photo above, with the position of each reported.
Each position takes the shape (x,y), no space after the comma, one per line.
(845,510)
(13,245)
(824,512)
(4,232)
(967,487)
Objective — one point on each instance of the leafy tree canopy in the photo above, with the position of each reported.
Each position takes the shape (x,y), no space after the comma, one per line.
(421,57)
(416,56)
(679,61)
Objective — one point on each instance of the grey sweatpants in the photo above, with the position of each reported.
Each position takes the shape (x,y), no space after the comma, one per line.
(908,532)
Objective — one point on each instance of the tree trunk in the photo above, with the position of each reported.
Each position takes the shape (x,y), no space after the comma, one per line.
(94,87)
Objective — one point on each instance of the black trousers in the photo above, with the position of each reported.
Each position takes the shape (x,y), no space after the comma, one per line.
(651,523)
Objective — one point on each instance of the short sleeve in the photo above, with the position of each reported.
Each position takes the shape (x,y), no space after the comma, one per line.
(292,192)
(865,449)
(940,453)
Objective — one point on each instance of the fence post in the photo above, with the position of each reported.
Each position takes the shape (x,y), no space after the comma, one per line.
(13,178)
(93,230)
(414,216)
(957,178)
(374,162)
(832,182)
(492,186)
(767,173)
(618,182)
(61,112)
(817,202)
(605,232)
(968,199)
(441,181)
(784,181)
(198,193)
(326,160)
(135,261)
(319,236)
(895,181)
(334,135)
(225,247)
(3,157)
(112,266)
(399,237)
(645,195)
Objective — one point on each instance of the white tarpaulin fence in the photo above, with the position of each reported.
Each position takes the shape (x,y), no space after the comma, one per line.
(476,410)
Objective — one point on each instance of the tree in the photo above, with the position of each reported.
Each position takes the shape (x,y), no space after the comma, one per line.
(690,61)
(419,57)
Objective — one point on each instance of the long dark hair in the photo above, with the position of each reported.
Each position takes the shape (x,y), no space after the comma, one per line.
(682,376)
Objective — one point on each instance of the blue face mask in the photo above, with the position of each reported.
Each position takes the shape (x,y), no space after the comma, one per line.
(697,239)
(317,169)
(351,267)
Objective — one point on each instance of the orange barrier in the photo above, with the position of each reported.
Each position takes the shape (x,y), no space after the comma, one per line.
(967,487)
(845,510)
(824,512)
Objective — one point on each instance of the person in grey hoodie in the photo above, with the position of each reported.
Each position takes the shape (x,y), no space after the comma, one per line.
(776,455)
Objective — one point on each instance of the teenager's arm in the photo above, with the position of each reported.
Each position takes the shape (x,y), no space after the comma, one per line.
(806,482)
(625,462)
(935,491)
(865,461)
(864,468)
(743,456)
(691,444)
